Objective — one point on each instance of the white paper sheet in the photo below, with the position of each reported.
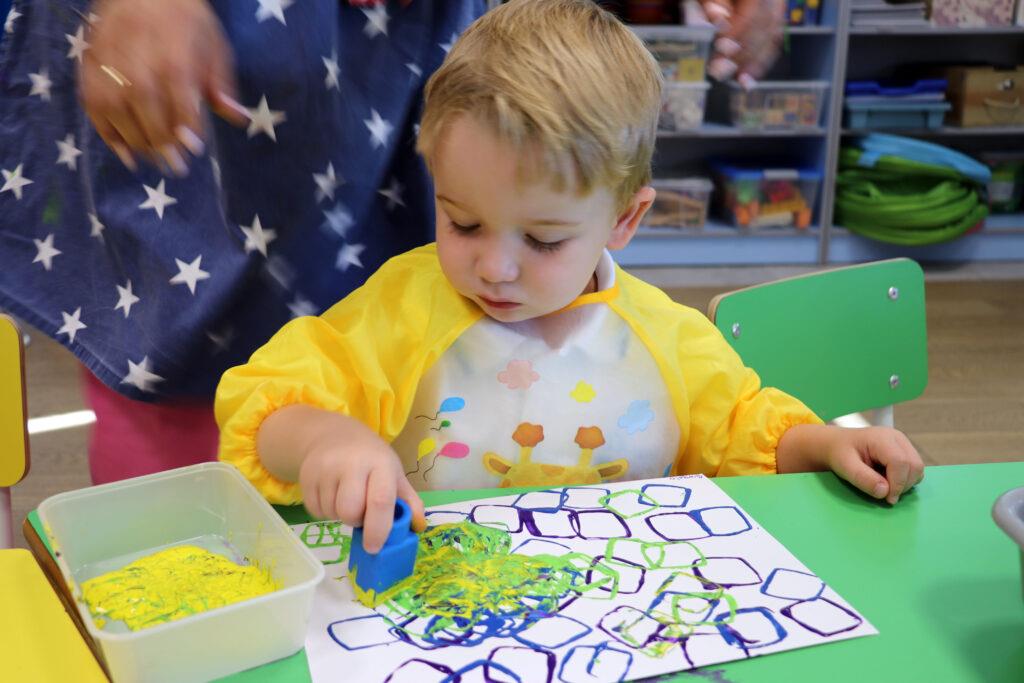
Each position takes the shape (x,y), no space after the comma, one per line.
(679,576)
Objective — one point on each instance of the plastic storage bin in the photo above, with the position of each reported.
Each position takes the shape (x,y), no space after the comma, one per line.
(680,203)
(681,51)
(777,104)
(802,12)
(103,528)
(682,106)
(753,198)
(876,115)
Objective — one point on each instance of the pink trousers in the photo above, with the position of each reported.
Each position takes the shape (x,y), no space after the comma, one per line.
(132,438)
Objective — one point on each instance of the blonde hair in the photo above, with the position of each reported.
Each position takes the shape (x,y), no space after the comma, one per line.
(563,81)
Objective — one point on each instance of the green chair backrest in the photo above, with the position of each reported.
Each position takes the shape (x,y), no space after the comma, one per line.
(842,341)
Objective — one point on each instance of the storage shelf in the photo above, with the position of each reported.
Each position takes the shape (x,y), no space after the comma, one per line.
(986,245)
(937,31)
(1009,223)
(822,30)
(714,228)
(942,131)
(719,130)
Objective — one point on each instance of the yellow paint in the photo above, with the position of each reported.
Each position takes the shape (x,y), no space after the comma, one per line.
(371,598)
(38,640)
(13,445)
(172,584)
(583,393)
(425,448)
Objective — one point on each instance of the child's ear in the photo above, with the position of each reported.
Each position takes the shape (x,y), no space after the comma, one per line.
(629,220)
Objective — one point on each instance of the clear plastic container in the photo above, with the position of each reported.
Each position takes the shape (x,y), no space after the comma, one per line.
(103,528)
(680,203)
(777,104)
(681,51)
(755,198)
(682,106)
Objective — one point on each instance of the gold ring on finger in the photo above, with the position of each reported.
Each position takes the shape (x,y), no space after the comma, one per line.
(116,75)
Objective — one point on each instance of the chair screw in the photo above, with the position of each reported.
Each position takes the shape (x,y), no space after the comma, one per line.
(894,293)
(736,330)
(894,382)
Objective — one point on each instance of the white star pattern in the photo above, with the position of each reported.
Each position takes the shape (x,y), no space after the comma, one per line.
(140,376)
(68,152)
(393,194)
(78,44)
(301,307)
(14,181)
(215,167)
(45,251)
(331,79)
(338,220)
(222,340)
(349,256)
(11,17)
(447,47)
(189,274)
(380,129)
(414,68)
(376,21)
(157,200)
(97,227)
(41,84)
(272,8)
(256,238)
(126,298)
(326,183)
(72,324)
(280,271)
(262,119)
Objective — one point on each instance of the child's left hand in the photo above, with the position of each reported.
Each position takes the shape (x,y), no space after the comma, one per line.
(857,455)
(880,461)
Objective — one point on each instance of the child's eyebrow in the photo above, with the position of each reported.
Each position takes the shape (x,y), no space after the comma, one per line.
(451,201)
(554,222)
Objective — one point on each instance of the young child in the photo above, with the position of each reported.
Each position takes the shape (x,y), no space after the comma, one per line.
(514,352)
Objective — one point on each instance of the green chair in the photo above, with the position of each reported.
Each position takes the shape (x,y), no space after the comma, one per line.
(13,433)
(844,341)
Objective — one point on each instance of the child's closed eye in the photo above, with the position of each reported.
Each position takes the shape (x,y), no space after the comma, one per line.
(463,229)
(545,247)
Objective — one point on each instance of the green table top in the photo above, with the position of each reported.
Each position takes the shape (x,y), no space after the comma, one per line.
(934,575)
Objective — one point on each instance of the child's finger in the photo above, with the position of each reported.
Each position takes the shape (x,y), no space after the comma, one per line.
(381,489)
(407,493)
(349,500)
(897,473)
(861,475)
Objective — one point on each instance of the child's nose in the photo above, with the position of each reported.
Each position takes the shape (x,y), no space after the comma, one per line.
(496,265)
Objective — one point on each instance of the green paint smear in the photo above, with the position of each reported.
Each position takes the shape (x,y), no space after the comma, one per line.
(327,535)
(466,573)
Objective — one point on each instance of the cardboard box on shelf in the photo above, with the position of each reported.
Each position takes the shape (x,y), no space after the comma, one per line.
(986,96)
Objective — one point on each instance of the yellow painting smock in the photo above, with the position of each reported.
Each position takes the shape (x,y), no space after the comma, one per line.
(172,584)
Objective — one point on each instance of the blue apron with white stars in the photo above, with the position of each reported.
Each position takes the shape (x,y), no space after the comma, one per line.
(158,284)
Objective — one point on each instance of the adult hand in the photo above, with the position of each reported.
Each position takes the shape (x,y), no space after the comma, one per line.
(750,32)
(149,65)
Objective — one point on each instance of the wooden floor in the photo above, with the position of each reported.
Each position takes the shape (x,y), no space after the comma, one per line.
(972,411)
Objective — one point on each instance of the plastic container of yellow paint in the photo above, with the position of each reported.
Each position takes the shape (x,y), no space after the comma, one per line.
(101,529)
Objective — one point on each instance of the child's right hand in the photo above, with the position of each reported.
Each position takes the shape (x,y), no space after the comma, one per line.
(357,481)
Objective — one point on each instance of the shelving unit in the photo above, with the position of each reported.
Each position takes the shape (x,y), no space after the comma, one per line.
(833,52)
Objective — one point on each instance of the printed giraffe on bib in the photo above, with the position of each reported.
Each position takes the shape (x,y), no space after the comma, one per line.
(525,472)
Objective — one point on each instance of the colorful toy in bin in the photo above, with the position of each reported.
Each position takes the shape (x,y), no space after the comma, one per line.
(753,198)
(373,575)
(802,12)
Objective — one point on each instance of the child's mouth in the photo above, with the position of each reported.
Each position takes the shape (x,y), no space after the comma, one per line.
(504,305)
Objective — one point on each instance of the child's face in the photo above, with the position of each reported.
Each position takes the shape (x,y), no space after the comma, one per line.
(518,250)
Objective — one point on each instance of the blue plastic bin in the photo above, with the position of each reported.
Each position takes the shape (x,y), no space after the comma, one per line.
(895,115)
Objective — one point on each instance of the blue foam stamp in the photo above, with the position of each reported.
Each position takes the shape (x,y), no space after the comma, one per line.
(373,574)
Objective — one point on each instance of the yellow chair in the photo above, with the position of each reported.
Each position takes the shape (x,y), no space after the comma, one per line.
(14,460)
